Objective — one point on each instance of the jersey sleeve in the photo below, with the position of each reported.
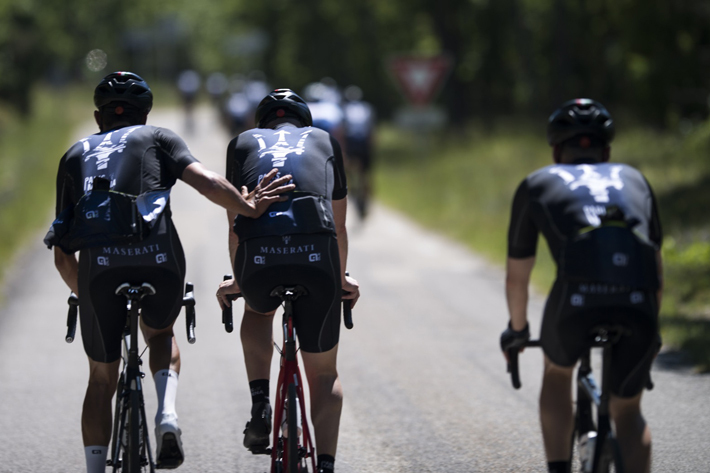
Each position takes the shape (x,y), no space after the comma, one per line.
(65,188)
(177,154)
(235,163)
(522,233)
(340,189)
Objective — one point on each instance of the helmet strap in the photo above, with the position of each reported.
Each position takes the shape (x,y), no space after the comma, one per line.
(557,153)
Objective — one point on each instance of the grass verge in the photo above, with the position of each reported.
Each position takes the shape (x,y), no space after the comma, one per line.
(30,150)
(463,186)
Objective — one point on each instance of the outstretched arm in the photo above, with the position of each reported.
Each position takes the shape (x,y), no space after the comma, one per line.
(220,191)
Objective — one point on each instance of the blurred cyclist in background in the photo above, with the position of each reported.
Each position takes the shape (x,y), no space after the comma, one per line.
(217,85)
(188,84)
(323,99)
(245,93)
(359,141)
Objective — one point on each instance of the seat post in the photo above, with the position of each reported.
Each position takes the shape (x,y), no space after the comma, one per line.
(133,295)
(133,349)
(584,415)
(289,331)
(289,294)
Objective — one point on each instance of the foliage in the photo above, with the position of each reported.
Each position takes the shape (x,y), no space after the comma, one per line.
(649,57)
(29,152)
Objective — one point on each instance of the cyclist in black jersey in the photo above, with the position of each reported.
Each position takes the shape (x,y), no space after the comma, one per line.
(600,221)
(300,241)
(128,157)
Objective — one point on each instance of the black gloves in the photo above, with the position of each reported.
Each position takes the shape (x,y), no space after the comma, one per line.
(513,339)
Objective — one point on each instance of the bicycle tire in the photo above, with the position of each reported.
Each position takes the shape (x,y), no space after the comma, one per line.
(613,454)
(146,455)
(292,420)
(610,460)
(116,447)
(133,452)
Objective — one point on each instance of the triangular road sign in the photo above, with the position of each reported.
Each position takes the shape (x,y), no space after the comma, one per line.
(420,77)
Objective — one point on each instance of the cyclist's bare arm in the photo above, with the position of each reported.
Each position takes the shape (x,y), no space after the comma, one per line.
(350,285)
(220,191)
(233,238)
(229,286)
(517,280)
(68,268)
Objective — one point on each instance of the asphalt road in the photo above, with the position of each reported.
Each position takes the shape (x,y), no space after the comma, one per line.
(425,385)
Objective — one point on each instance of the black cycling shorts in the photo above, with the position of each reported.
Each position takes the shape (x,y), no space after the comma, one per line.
(573,309)
(158,260)
(308,260)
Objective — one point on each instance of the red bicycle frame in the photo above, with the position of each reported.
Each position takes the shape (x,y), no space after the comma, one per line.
(290,374)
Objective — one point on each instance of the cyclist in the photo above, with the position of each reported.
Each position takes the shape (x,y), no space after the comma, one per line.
(359,119)
(323,100)
(302,241)
(188,83)
(584,201)
(131,157)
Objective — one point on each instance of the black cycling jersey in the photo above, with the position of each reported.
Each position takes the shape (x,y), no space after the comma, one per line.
(605,273)
(134,160)
(294,241)
(562,199)
(315,161)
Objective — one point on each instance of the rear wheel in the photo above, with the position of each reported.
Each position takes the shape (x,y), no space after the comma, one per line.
(610,460)
(292,420)
(118,422)
(132,456)
(613,452)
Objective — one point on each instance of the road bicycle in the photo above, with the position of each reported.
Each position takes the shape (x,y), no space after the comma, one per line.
(598,447)
(292,447)
(130,443)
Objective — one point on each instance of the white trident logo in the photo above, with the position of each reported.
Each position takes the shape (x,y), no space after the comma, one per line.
(281,149)
(597,184)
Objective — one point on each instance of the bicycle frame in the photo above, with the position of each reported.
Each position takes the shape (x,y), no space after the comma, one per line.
(289,381)
(129,392)
(130,405)
(589,394)
(289,374)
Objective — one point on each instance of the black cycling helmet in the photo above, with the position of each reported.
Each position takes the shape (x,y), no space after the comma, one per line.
(286,101)
(124,87)
(580,117)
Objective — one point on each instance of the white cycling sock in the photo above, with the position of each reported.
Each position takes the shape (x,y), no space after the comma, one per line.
(166,383)
(95,458)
